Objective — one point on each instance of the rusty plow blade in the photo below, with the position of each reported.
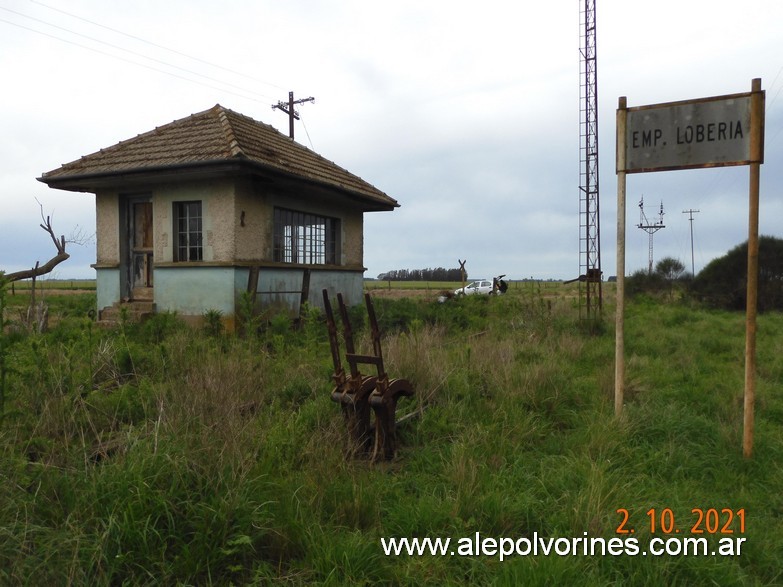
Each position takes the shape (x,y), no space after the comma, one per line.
(384,403)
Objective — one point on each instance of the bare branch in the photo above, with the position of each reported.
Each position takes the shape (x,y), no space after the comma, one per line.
(51,263)
(47,267)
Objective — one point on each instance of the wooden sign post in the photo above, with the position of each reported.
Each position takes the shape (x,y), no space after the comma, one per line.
(462,272)
(708,132)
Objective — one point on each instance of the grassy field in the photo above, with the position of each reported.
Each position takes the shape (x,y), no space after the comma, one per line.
(436,286)
(152,455)
(52,285)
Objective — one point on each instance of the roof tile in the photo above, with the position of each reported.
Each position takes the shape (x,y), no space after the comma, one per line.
(214,136)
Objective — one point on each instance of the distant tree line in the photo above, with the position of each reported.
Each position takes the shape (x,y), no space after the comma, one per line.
(438,274)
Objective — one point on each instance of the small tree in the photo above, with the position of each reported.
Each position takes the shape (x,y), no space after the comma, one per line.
(37,314)
(47,267)
(670,269)
(668,273)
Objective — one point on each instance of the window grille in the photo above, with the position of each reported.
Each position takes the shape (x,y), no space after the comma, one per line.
(188,231)
(304,238)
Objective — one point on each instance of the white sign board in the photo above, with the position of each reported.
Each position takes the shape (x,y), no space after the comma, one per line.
(710,132)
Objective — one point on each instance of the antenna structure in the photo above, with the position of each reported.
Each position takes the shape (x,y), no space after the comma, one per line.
(288,108)
(590,305)
(650,228)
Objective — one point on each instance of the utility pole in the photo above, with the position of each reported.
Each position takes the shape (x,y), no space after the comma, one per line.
(650,229)
(690,217)
(288,108)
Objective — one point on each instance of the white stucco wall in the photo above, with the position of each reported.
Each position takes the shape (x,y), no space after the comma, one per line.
(217,209)
(353,238)
(238,225)
(107,223)
(252,221)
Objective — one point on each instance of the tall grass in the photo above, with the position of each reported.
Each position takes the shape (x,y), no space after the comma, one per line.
(155,454)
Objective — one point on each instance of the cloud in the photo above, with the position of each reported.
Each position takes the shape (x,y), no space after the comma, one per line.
(467,114)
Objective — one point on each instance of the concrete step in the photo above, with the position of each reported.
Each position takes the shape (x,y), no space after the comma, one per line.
(135,311)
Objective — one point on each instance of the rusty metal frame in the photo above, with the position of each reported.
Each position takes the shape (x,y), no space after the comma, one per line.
(352,391)
(358,394)
(387,393)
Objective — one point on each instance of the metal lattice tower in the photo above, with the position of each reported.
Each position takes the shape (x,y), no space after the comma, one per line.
(590,294)
(650,228)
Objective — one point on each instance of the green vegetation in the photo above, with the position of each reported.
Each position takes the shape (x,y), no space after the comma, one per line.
(4,344)
(668,279)
(723,282)
(160,454)
(55,284)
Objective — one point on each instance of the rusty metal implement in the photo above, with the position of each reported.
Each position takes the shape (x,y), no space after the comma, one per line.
(358,394)
(352,391)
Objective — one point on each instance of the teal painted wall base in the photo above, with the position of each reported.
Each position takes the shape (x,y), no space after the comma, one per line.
(281,287)
(107,285)
(192,291)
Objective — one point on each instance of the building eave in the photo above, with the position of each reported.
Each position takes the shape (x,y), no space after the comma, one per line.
(164,174)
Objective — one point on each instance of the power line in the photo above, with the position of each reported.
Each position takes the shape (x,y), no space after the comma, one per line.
(93,49)
(119,48)
(309,140)
(153,44)
(221,87)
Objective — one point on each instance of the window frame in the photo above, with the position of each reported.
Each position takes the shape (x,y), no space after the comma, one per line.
(192,250)
(304,238)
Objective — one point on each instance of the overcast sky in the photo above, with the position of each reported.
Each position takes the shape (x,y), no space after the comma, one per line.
(466,113)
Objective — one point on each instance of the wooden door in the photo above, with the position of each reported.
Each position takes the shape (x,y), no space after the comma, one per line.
(141,247)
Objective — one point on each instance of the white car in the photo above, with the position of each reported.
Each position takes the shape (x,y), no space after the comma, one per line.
(480,286)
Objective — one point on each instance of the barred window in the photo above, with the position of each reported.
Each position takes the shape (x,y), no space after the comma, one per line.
(304,238)
(188,239)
